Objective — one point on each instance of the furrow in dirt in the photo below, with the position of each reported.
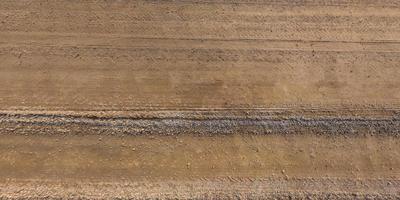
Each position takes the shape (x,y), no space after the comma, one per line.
(195,123)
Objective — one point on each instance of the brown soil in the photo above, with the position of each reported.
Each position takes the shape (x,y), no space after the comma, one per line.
(195,99)
(190,166)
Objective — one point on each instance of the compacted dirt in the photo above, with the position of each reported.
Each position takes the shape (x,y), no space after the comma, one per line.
(196,99)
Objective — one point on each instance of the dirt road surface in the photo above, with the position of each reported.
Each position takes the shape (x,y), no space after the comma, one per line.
(196,99)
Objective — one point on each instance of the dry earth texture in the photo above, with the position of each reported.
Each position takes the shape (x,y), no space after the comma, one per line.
(199,99)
